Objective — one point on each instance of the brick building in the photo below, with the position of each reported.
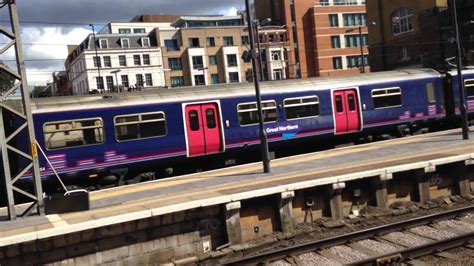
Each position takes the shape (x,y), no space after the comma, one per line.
(323,35)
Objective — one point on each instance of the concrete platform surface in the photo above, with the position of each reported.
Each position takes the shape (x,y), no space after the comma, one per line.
(123,204)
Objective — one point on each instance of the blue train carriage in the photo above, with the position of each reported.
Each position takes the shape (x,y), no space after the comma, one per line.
(452,93)
(121,135)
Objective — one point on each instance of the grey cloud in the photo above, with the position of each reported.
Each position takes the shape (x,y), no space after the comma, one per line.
(103,11)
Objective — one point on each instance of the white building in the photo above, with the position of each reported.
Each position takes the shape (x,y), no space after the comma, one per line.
(115,61)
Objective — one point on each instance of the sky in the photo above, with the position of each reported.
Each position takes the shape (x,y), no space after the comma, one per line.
(48,26)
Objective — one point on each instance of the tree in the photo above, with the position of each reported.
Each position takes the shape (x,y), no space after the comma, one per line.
(6,80)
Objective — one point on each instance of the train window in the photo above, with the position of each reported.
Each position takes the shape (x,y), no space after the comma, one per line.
(385,98)
(430,92)
(339,108)
(248,113)
(65,134)
(296,108)
(351,100)
(194,120)
(469,86)
(140,126)
(211,118)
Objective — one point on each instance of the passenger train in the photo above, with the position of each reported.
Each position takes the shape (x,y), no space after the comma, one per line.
(107,136)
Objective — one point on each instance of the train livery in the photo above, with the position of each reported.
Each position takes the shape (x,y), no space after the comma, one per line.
(121,135)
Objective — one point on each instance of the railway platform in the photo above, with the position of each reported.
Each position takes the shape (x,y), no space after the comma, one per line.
(205,212)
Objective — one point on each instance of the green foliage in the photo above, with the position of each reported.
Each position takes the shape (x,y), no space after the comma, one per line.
(6,81)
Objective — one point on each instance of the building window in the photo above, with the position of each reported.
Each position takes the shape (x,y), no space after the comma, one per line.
(231,60)
(139,30)
(214,79)
(245,40)
(336,41)
(145,42)
(125,43)
(234,77)
(125,31)
(139,78)
(248,113)
(197,62)
(402,21)
(404,54)
(354,40)
(296,108)
(385,98)
(149,80)
(124,80)
(110,83)
(137,60)
(199,80)
(469,87)
(177,82)
(193,42)
(122,60)
(146,59)
(139,126)
(67,134)
(210,41)
(103,44)
(175,63)
(355,61)
(246,56)
(276,55)
(333,20)
(228,41)
(171,45)
(212,60)
(277,74)
(97,61)
(107,61)
(99,83)
(358,19)
(337,62)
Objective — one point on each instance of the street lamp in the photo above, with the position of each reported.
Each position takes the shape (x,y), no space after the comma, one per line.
(362,61)
(97,56)
(116,78)
(263,136)
(462,94)
(260,60)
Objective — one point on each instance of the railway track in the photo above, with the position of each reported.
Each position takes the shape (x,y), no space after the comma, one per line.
(388,243)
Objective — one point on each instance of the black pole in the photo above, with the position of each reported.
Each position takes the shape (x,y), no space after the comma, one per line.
(462,94)
(260,61)
(361,51)
(97,56)
(263,135)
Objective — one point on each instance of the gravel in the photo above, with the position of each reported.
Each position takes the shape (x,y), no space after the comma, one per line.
(430,232)
(379,247)
(458,225)
(347,254)
(316,259)
(404,239)
(280,263)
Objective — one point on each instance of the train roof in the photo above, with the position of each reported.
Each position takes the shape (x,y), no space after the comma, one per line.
(184,94)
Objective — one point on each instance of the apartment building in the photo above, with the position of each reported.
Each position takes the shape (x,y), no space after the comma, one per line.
(111,62)
(326,37)
(204,50)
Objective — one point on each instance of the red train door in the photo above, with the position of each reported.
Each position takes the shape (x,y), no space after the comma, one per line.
(346,111)
(203,129)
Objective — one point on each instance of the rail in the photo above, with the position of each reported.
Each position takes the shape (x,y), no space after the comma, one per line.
(358,235)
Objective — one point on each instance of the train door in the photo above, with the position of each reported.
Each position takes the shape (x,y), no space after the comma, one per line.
(346,111)
(203,129)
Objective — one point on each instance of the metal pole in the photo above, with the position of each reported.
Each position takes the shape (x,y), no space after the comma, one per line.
(260,60)
(362,70)
(26,105)
(263,136)
(97,56)
(462,94)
